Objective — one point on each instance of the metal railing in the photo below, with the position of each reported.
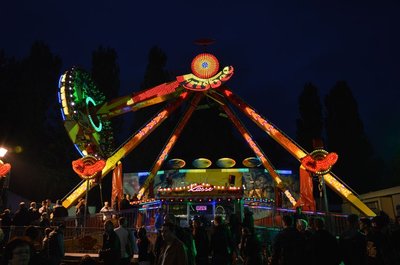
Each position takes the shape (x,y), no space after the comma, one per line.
(271,217)
(88,239)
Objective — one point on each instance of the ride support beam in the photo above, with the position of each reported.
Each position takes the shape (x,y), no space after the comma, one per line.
(265,125)
(170,144)
(258,152)
(131,144)
(294,149)
(138,100)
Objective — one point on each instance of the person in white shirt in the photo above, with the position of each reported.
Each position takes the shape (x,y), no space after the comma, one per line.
(107,211)
(123,235)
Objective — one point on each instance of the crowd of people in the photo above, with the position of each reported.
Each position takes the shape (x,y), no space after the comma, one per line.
(365,241)
(179,245)
(302,240)
(44,216)
(230,241)
(32,248)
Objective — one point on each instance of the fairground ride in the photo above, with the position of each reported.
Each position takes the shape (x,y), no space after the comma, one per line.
(86,118)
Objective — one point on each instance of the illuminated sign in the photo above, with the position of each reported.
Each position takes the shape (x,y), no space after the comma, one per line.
(192,82)
(201,207)
(205,65)
(201,188)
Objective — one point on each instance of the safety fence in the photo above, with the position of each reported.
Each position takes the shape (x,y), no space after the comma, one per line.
(88,237)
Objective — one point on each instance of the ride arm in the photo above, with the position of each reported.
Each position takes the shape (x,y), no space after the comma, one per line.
(256,149)
(293,149)
(170,144)
(131,144)
(138,100)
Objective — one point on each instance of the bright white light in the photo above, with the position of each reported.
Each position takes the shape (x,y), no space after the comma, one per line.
(3,151)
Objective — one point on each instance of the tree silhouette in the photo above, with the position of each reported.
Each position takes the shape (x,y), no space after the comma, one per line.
(310,123)
(105,73)
(36,125)
(346,136)
(142,157)
(395,169)
(9,77)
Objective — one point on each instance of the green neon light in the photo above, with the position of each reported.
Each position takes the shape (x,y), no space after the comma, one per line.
(100,126)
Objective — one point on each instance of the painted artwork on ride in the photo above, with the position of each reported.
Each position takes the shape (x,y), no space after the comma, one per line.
(256,183)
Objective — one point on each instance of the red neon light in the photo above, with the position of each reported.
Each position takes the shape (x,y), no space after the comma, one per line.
(205,65)
(152,123)
(200,188)
(321,166)
(86,168)
(158,91)
(192,82)
(167,148)
(4,169)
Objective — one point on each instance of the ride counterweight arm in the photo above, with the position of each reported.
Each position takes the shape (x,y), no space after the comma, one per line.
(139,100)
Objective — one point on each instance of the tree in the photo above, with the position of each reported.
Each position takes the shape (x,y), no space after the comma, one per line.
(394,169)
(310,123)
(36,125)
(9,77)
(105,73)
(346,136)
(141,157)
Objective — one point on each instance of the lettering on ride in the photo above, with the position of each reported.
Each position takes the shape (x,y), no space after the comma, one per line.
(161,159)
(192,82)
(337,185)
(151,124)
(254,146)
(200,188)
(260,120)
(166,150)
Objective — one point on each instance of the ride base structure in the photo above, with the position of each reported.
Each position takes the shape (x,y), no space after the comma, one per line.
(87,120)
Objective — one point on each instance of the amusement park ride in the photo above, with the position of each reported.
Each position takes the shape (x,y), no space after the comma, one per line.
(85,116)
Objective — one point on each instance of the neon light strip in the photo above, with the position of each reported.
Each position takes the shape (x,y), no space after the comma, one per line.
(234,170)
(171,142)
(100,126)
(283,172)
(275,133)
(155,202)
(192,170)
(150,208)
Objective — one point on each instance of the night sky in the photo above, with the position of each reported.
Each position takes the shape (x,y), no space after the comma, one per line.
(275,46)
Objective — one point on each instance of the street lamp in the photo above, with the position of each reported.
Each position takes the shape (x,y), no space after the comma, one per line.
(3,152)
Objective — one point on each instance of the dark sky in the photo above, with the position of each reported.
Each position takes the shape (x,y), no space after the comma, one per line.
(275,47)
